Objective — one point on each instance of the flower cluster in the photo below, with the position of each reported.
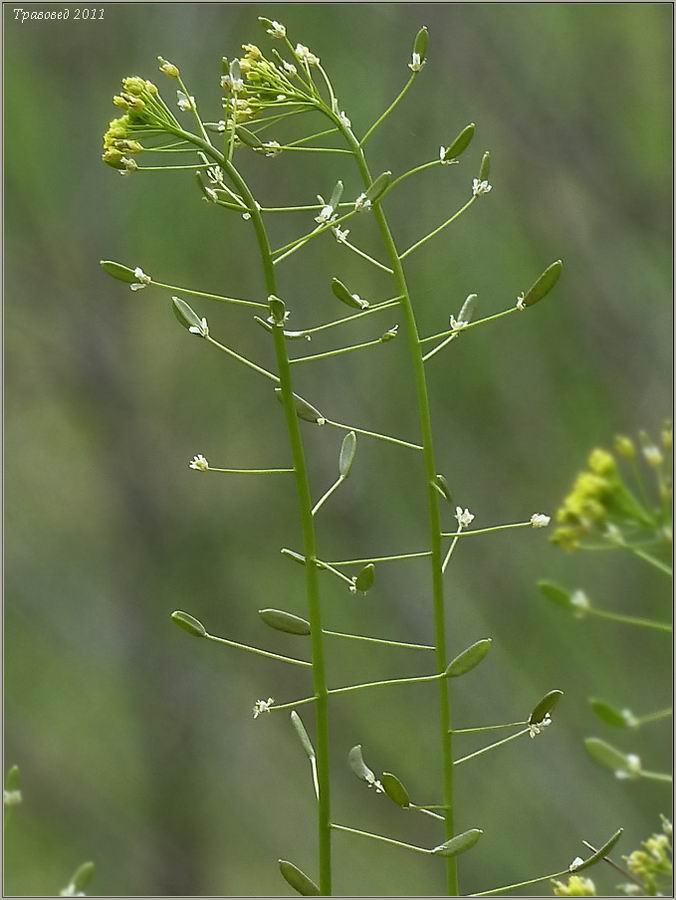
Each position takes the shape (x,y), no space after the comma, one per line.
(577,887)
(652,865)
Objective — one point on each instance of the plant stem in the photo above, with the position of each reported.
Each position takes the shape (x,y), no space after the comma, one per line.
(400,96)
(490,747)
(380,837)
(190,293)
(309,545)
(325,496)
(386,304)
(328,354)
(654,717)
(242,359)
(372,640)
(412,337)
(374,434)
(256,650)
(459,534)
(630,620)
(487,728)
(656,776)
(379,559)
(651,560)
(251,471)
(519,884)
(449,221)
(484,321)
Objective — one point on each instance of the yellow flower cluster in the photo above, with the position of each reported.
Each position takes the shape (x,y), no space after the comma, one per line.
(653,862)
(144,110)
(577,887)
(586,506)
(265,83)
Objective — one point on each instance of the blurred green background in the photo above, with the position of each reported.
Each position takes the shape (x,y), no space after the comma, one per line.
(136,743)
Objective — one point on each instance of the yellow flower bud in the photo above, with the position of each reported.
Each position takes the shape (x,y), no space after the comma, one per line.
(168,68)
(577,887)
(134,85)
(625,446)
(601,462)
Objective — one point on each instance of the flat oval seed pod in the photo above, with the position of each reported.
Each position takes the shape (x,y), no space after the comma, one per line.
(485,167)
(611,715)
(344,295)
(461,143)
(555,593)
(420,43)
(13,781)
(364,581)
(83,876)
(545,706)
(304,410)
(296,557)
(395,790)
(469,658)
(297,723)
(185,314)
(347,451)
(248,137)
(459,844)
(188,623)
(610,757)
(442,486)
(277,309)
(336,195)
(468,308)
(378,187)
(284,621)
(544,284)
(116,270)
(297,879)
(359,767)
(601,852)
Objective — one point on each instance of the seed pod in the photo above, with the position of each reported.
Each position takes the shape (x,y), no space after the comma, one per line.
(611,715)
(364,581)
(420,43)
(13,780)
(336,195)
(188,623)
(284,621)
(485,167)
(359,767)
(468,308)
(468,659)
(277,309)
(378,187)
(185,314)
(600,853)
(544,707)
(343,294)
(555,593)
(248,137)
(296,557)
(347,452)
(82,877)
(461,143)
(297,723)
(626,765)
(441,485)
(304,410)
(544,284)
(297,879)
(459,844)
(395,790)
(116,270)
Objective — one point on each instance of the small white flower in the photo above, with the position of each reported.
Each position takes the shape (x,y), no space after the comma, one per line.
(199,463)
(220,125)
(633,767)
(580,601)
(11,798)
(362,203)
(272,148)
(261,706)
(281,97)
(215,174)
(228,83)
(535,728)
(202,329)
(246,216)
(306,55)
(276,30)
(480,187)
(210,194)
(289,68)
(521,302)
(341,236)
(457,324)
(344,119)
(70,891)
(185,102)
(416,63)
(653,455)
(325,213)
(464,517)
(141,280)
(130,165)
(442,157)
(540,520)
(576,863)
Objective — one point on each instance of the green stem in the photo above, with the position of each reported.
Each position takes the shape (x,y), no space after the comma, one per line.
(309,545)
(365,256)
(250,471)
(380,837)
(242,359)
(651,560)
(434,517)
(382,641)
(656,776)
(258,652)
(313,149)
(379,559)
(630,620)
(311,137)
(449,221)
(328,354)
(655,717)
(439,347)
(484,321)
(487,728)
(322,500)
(388,682)
(520,884)
(386,304)
(414,171)
(221,299)
(459,534)
(400,96)
(490,747)
(374,434)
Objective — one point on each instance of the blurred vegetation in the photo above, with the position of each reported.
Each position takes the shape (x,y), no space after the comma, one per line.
(136,745)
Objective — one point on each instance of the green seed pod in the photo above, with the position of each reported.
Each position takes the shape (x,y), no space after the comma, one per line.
(378,187)
(297,723)
(485,167)
(420,43)
(468,659)
(364,581)
(82,877)
(468,308)
(115,270)
(611,715)
(293,876)
(441,485)
(225,65)
(342,293)
(544,284)
(555,593)
(277,309)
(347,452)
(600,853)
(284,621)
(395,790)
(188,623)
(461,143)
(359,767)
(622,764)
(336,195)
(296,557)
(544,707)
(185,314)
(459,844)
(248,137)
(13,780)
(304,410)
